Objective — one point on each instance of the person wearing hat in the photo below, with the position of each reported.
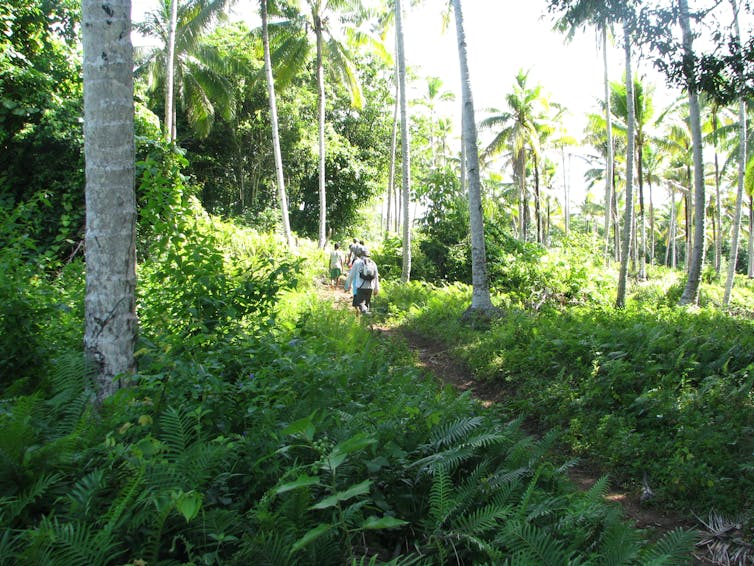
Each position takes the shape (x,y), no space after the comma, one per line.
(365,281)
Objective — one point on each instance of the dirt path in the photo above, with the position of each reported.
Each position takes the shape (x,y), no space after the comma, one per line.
(434,357)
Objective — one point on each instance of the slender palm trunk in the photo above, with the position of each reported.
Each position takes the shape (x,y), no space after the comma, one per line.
(170,72)
(733,258)
(750,271)
(405,143)
(393,151)
(651,225)
(691,291)
(109,304)
(480,297)
(321,120)
(609,157)
(628,222)
(642,250)
(275,129)
(717,223)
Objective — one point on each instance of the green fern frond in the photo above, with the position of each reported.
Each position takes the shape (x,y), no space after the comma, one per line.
(76,544)
(175,430)
(532,545)
(620,545)
(674,548)
(482,520)
(448,459)
(85,491)
(441,497)
(12,507)
(126,499)
(451,433)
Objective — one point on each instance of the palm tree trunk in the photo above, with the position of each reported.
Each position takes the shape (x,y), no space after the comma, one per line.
(609,157)
(733,258)
(750,271)
(275,129)
(109,304)
(170,72)
(321,119)
(642,222)
(480,296)
(691,292)
(393,150)
(628,221)
(405,143)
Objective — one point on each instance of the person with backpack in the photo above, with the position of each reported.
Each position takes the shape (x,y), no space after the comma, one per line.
(336,265)
(365,280)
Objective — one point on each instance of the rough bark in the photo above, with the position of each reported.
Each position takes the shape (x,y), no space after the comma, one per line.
(480,298)
(628,221)
(691,291)
(109,305)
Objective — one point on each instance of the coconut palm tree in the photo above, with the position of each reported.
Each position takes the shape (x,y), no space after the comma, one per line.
(517,131)
(109,305)
(282,196)
(197,73)
(691,290)
(733,258)
(480,297)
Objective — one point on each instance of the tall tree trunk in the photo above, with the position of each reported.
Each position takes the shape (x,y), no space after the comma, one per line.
(651,225)
(537,204)
(642,250)
(480,296)
(275,129)
(717,222)
(405,143)
(630,136)
(109,305)
(393,150)
(750,271)
(733,258)
(609,158)
(691,291)
(170,72)
(321,121)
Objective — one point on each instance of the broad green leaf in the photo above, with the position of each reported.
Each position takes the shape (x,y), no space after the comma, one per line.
(387,522)
(310,536)
(304,427)
(188,504)
(353,491)
(301,481)
(341,451)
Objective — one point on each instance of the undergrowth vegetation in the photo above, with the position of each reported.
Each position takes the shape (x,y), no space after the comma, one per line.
(650,393)
(266,427)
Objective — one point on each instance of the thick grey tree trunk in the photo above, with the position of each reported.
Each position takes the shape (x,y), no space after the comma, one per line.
(109,305)
(405,143)
(275,128)
(691,291)
(480,298)
(630,136)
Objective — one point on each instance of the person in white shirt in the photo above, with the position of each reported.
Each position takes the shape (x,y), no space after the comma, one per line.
(365,280)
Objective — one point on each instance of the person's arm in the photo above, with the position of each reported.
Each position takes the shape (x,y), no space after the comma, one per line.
(349,279)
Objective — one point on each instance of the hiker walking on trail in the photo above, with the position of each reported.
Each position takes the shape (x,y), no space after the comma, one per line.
(353,247)
(336,265)
(365,280)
